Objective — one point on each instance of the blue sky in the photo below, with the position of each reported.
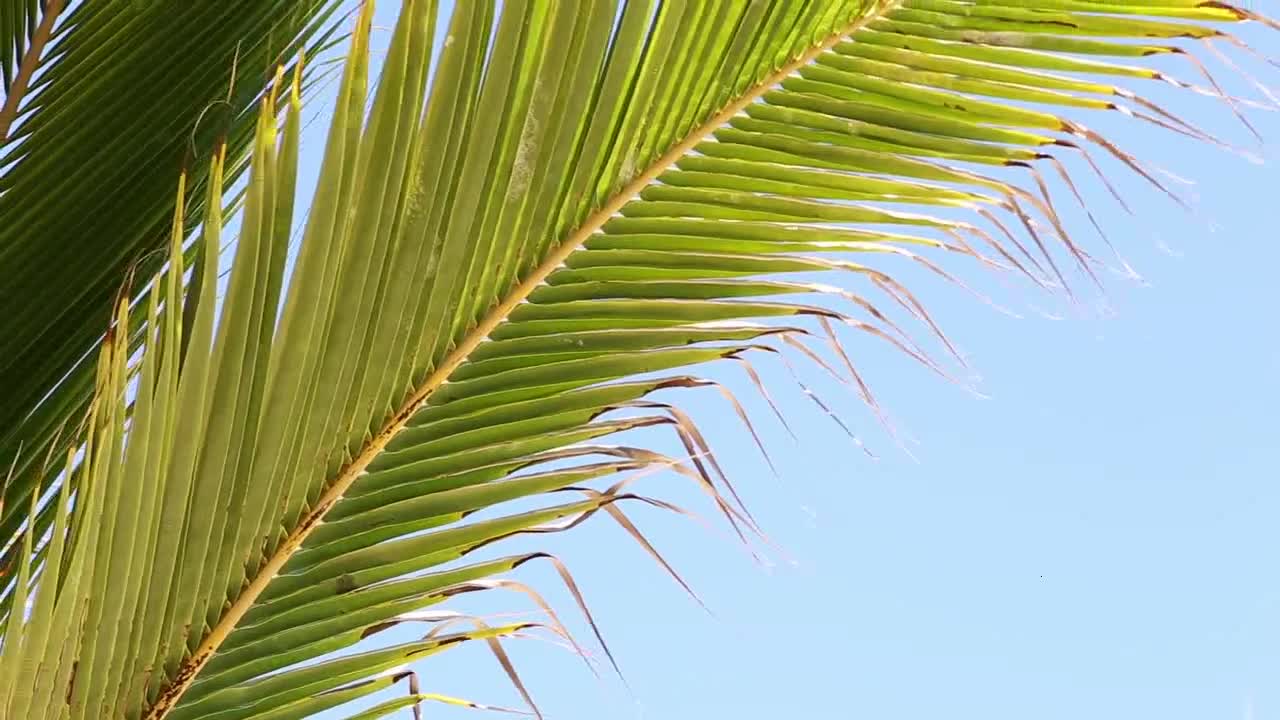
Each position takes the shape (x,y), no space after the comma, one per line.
(1096,538)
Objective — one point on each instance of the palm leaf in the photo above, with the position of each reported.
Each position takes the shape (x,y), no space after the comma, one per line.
(488,288)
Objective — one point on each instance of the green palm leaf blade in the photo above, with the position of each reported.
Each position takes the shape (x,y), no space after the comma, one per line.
(503,265)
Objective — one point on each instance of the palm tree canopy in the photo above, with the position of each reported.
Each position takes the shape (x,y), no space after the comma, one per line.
(502,263)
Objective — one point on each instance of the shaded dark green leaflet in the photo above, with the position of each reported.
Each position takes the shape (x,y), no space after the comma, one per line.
(86,185)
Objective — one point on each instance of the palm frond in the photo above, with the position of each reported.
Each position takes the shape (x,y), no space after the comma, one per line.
(488,289)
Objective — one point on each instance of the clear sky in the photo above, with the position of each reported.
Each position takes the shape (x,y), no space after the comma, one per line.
(1096,539)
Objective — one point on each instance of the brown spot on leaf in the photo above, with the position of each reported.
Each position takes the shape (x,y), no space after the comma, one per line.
(346,583)
(1240,14)
(71,681)
(374,629)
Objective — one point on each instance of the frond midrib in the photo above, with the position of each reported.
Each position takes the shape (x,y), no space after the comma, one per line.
(26,70)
